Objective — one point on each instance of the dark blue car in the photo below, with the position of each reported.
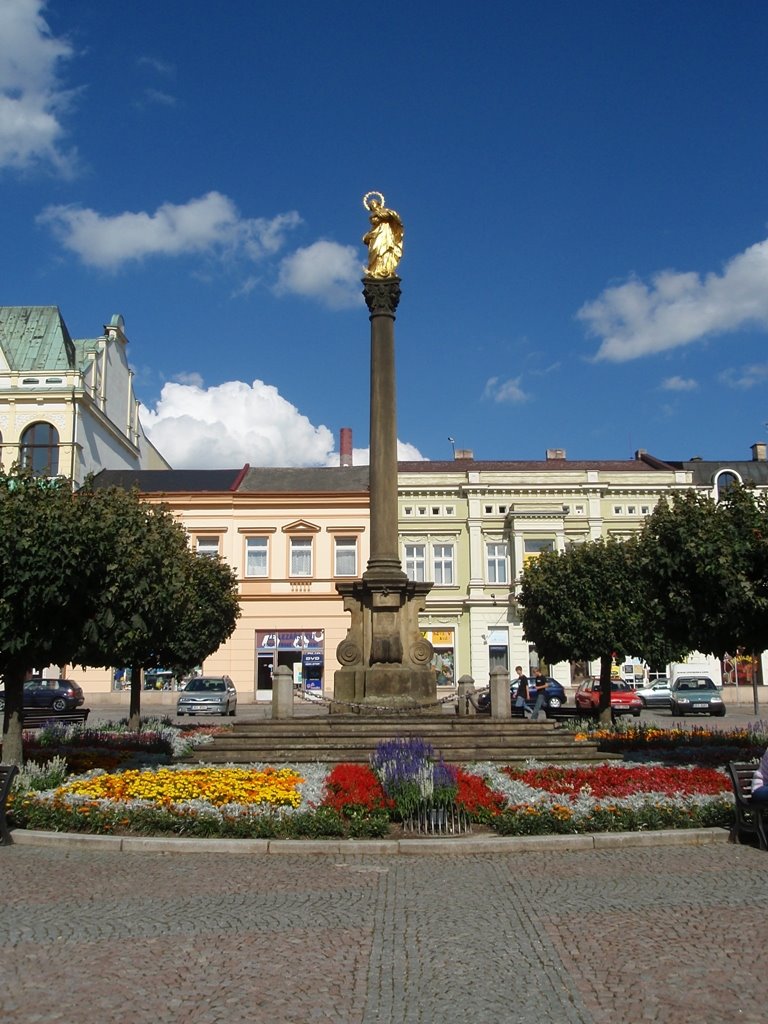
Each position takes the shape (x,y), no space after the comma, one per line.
(554,695)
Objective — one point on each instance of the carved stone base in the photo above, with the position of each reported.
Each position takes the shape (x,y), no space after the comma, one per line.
(385,661)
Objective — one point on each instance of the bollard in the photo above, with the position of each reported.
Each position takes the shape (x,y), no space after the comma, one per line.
(501,703)
(282,692)
(464,705)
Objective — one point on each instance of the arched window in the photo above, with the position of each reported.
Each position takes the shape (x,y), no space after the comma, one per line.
(724,481)
(40,449)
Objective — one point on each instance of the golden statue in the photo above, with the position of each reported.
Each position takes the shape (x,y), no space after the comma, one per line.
(384,239)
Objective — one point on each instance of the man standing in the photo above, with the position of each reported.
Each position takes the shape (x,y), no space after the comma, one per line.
(522,687)
(541,687)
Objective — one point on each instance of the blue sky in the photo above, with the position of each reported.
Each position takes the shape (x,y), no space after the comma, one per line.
(583,188)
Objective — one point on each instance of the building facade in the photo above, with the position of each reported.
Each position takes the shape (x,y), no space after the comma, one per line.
(469,527)
(67,406)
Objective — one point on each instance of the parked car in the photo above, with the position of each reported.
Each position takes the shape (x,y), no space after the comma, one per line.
(208,695)
(696,695)
(57,694)
(554,695)
(656,695)
(624,700)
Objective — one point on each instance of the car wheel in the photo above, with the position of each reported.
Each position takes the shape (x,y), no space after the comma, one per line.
(179,714)
(555,702)
(2,703)
(233,711)
(644,702)
(59,704)
(635,714)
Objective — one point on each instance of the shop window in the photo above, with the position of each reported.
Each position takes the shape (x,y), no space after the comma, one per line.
(345,556)
(301,556)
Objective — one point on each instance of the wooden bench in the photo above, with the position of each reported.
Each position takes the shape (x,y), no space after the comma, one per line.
(35,718)
(7,773)
(751,819)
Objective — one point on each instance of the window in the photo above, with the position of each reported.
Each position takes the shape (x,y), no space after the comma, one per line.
(496,555)
(489,510)
(631,510)
(645,510)
(532,548)
(617,510)
(415,562)
(408,510)
(208,546)
(301,556)
(345,563)
(442,556)
(256,551)
(724,482)
(435,510)
(40,449)
(422,510)
(449,510)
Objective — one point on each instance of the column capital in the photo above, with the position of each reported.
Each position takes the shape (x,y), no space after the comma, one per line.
(382,295)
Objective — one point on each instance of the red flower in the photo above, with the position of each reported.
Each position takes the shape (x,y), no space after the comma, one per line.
(616,781)
(351,787)
(475,795)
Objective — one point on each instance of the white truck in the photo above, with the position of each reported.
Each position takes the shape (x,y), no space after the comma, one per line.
(700,666)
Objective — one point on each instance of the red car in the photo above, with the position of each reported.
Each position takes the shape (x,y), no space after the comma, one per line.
(624,700)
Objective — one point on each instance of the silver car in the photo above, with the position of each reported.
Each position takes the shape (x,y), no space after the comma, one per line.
(656,695)
(208,695)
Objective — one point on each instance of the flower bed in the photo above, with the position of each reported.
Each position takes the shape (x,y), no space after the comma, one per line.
(363,800)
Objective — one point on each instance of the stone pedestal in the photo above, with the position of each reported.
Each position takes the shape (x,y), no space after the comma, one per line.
(385,661)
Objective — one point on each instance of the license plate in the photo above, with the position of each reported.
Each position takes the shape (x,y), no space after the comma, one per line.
(701,705)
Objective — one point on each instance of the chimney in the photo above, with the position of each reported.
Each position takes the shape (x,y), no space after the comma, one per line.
(345,446)
(759,451)
(464,453)
(555,453)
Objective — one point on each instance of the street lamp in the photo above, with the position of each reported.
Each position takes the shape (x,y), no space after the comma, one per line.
(453,447)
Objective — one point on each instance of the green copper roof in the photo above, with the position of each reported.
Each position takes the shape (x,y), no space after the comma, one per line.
(35,339)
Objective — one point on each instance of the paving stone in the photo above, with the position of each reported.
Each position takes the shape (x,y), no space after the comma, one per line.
(531,934)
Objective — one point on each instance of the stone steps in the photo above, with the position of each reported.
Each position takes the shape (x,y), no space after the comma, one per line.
(335,739)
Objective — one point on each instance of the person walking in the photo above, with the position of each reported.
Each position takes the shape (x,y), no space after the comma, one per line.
(522,687)
(541,687)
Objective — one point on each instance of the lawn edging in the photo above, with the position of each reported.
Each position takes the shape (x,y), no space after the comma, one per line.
(377,847)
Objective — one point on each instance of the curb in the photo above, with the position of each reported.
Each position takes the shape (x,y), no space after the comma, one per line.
(374,847)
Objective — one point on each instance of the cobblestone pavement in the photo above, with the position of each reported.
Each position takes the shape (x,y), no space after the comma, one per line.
(672,935)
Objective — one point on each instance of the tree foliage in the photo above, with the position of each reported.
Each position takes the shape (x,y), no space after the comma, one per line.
(588,602)
(100,578)
(706,566)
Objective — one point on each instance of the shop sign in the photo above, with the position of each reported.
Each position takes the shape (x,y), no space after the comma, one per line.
(287,640)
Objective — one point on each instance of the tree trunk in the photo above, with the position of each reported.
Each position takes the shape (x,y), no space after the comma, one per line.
(605,689)
(755,699)
(13,751)
(134,714)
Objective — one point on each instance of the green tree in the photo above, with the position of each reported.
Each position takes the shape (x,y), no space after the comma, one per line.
(705,566)
(46,586)
(159,605)
(209,613)
(587,602)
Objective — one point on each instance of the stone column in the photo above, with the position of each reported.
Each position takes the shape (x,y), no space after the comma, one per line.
(382,298)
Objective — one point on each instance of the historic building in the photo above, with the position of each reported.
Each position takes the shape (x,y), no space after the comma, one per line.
(67,406)
(468,527)
(290,535)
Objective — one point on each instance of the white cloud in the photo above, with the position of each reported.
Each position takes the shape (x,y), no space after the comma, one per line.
(679,384)
(31,99)
(635,319)
(746,377)
(233,423)
(210,224)
(504,390)
(324,270)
